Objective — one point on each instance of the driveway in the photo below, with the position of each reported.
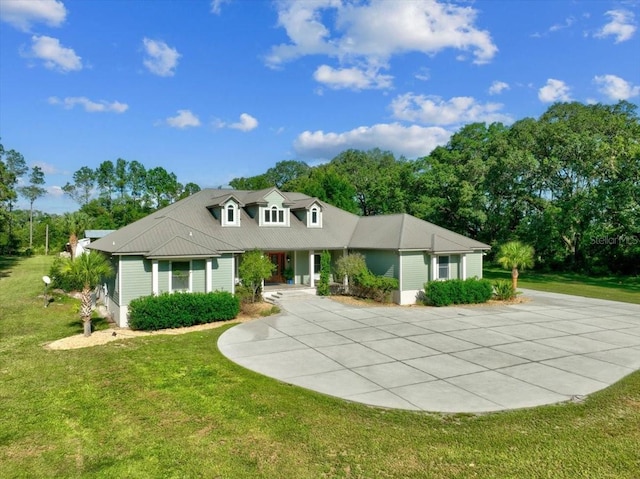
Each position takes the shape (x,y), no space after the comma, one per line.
(550,349)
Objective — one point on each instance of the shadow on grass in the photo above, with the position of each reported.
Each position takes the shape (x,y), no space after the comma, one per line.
(627,284)
(6,265)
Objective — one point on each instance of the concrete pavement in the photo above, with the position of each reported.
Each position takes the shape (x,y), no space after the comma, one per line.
(457,359)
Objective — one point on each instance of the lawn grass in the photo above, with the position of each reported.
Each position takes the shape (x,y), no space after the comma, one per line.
(173,406)
(614,288)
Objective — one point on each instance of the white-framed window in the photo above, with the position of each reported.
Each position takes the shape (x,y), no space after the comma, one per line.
(274,216)
(230,215)
(443,267)
(180,276)
(314,217)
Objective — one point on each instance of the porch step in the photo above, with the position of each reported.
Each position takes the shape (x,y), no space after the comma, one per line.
(276,297)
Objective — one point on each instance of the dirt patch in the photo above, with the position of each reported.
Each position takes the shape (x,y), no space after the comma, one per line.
(115,333)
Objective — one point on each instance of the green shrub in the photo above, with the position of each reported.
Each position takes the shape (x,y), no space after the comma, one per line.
(61,281)
(178,310)
(378,288)
(322,289)
(245,294)
(457,291)
(503,290)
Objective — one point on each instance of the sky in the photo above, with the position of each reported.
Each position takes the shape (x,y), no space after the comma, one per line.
(217,89)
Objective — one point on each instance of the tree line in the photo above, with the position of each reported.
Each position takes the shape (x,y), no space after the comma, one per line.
(566,183)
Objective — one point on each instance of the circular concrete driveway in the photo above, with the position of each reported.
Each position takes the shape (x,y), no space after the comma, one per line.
(456,359)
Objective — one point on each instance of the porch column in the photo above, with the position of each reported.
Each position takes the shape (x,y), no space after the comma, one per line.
(311,270)
(434,267)
(463,265)
(207,275)
(233,274)
(154,277)
(345,280)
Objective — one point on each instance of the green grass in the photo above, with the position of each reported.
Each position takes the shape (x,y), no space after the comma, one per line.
(623,288)
(174,407)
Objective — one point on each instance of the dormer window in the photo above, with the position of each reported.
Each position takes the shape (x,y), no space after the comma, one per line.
(314,217)
(274,216)
(230,214)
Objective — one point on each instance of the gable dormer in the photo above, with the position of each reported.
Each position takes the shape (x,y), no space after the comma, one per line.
(226,210)
(274,209)
(308,211)
(314,216)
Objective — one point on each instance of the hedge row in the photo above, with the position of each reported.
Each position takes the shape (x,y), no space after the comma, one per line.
(458,291)
(378,288)
(178,310)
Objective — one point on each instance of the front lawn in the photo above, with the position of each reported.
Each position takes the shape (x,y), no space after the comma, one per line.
(173,406)
(614,288)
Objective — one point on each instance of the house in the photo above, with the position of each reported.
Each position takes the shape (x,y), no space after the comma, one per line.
(197,243)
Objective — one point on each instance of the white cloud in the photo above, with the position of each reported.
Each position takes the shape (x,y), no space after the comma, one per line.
(353,78)
(216,5)
(554,90)
(436,111)
(89,105)
(377,30)
(498,87)
(161,59)
(622,26)
(23,13)
(55,191)
(615,88)
(423,74)
(184,119)
(411,141)
(54,55)
(246,123)
(46,168)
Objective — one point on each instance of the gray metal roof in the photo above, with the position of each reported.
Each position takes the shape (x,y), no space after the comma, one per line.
(188,228)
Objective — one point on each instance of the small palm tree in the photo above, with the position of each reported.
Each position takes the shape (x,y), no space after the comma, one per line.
(74,223)
(88,270)
(515,256)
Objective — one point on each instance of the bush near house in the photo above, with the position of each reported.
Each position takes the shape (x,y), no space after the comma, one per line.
(503,290)
(458,291)
(378,288)
(181,309)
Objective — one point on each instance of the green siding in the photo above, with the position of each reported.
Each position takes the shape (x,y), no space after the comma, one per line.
(222,273)
(198,276)
(135,277)
(382,263)
(301,267)
(415,270)
(454,266)
(274,198)
(164,276)
(474,265)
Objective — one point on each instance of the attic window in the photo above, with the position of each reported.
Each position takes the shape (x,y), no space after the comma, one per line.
(231,214)
(314,216)
(274,215)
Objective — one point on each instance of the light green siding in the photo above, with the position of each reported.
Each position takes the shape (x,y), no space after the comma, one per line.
(382,263)
(164,276)
(454,266)
(415,270)
(198,278)
(135,278)
(274,198)
(474,265)
(112,282)
(222,273)
(301,265)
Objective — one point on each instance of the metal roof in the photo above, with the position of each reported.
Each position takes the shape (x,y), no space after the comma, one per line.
(188,228)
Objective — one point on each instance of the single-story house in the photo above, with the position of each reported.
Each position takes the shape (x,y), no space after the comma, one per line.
(197,243)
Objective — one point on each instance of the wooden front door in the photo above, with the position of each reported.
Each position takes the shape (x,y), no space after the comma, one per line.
(279,260)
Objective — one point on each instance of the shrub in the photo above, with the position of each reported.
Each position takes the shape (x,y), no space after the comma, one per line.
(60,280)
(350,266)
(181,309)
(325,270)
(378,288)
(457,291)
(254,268)
(503,290)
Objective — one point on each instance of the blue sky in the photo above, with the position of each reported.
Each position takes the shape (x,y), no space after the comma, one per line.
(215,89)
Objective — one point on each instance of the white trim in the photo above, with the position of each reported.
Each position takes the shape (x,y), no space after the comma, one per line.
(311,269)
(208,273)
(434,268)
(233,274)
(399,271)
(154,277)
(463,265)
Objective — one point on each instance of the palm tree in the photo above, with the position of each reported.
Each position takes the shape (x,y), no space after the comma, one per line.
(87,269)
(515,256)
(74,223)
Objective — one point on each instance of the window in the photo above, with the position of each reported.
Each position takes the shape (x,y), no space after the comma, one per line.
(316,263)
(180,276)
(267,216)
(274,216)
(443,267)
(231,217)
(314,216)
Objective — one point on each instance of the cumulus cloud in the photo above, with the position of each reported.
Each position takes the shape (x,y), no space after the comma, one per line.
(616,88)
(554,90)
(160,59)
(411,141)
(246,123)
(430,109)
(622,26)
(55,191)
(24,13)
(46,168)
(184,119)
(352,78)
(498,87)
(374,31)
(54,55)
(90,106)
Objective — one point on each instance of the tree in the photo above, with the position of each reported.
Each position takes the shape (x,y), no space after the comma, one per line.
(350,266)
(74,223)
(162,186)
(136,179)
(32,192)
(83,182)
(106,179)
(325,270)
(88,269)
(286,171)
(254,268)
(16,167)
(189,189)
(515,256)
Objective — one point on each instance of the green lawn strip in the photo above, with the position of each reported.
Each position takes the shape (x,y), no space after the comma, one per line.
(625,289)
(173,406)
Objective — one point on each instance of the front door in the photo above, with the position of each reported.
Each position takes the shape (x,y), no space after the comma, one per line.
(277,259)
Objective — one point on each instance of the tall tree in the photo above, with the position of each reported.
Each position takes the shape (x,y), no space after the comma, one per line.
(106,179)
(81,189)
(136,179)
(89,270)
(16,167)
(162,186)
(32,192)
(121,177)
